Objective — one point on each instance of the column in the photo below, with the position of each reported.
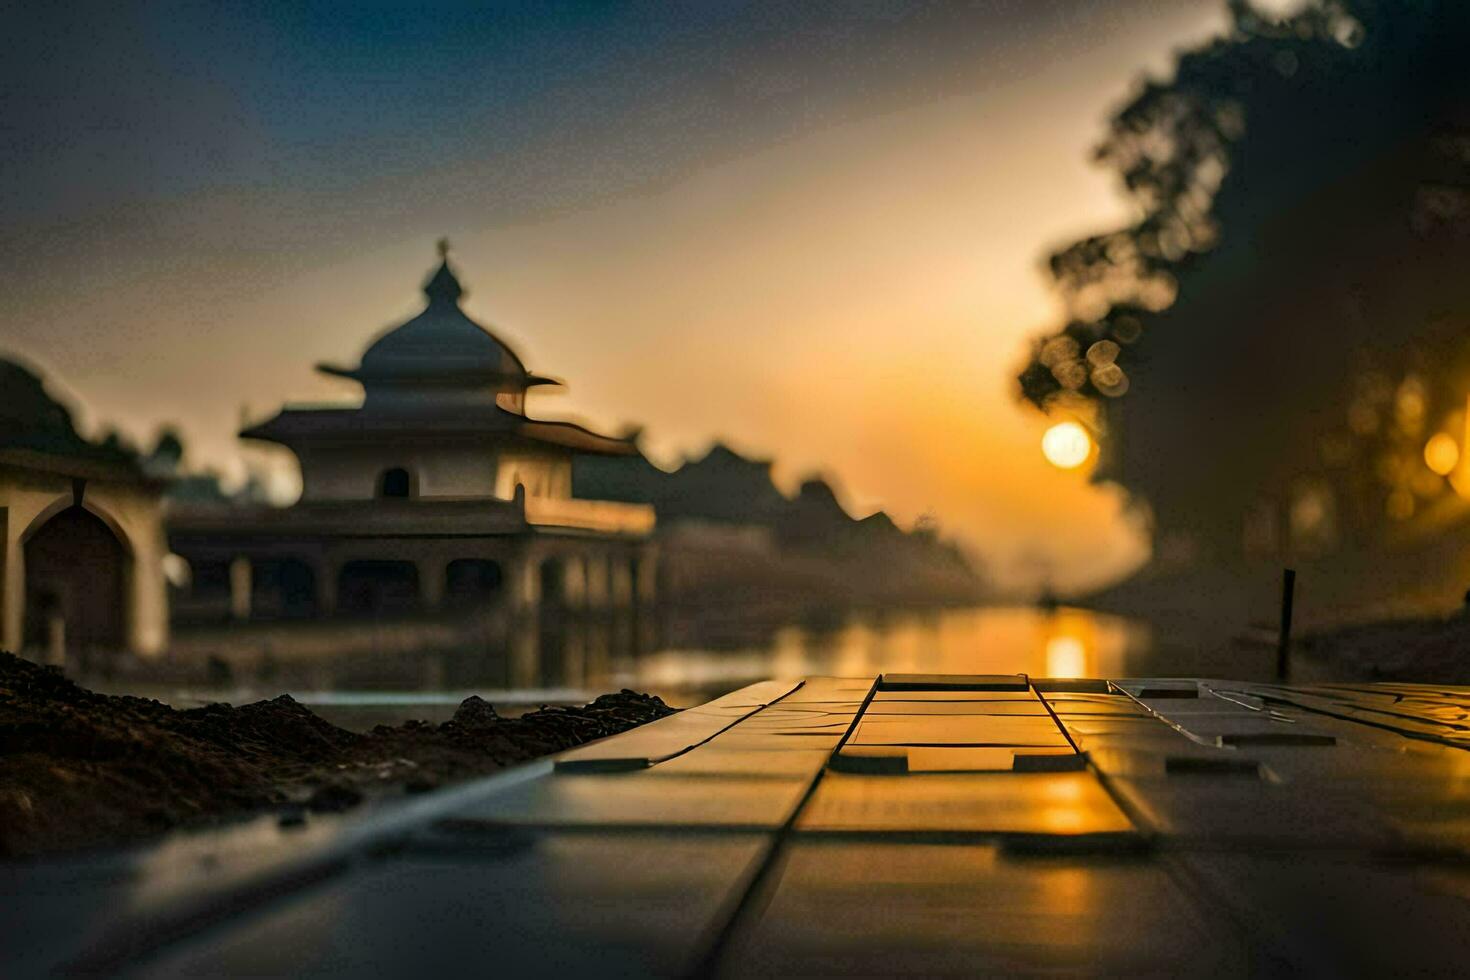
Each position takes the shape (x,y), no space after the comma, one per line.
(597,584)
(12,586)
(431,583)
(621,580)
(240,587)
(326,587)
(525,583)
(647,577)
(574,582)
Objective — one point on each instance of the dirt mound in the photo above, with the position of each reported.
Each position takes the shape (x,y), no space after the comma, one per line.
(80,769)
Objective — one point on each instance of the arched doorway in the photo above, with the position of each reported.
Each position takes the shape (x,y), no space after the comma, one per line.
(282,588)
(378,588)
(471,582)
(75,588)
(395,483)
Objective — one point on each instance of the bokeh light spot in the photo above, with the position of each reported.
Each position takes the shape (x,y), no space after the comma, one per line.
(1066,445)
(1441,454)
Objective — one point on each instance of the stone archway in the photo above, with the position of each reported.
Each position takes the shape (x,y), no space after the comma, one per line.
(75,584)
(472,582)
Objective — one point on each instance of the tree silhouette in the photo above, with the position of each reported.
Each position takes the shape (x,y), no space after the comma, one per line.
(1303,196)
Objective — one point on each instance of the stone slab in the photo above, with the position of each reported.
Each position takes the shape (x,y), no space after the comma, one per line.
(952,682)
(558,905)
(879,909)
(1051,804)
(957,730)
(641,799)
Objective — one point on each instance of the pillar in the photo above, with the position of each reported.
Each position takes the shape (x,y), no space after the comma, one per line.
(56,640)
(597,584)
(525,583)
(326,587)
(574,582)
(524,666)
(240,588)
(648,577)
(431,583)
(12,585)
(148,627)
(621,581)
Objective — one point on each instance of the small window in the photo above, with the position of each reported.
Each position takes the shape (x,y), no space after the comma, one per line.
(395,483)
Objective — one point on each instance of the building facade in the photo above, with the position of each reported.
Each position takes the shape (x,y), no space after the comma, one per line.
(437,493)
(81,537)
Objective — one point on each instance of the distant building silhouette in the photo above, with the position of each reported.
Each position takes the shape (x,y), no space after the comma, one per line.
(437,491)
(721,486)
(725,526)
(81,535)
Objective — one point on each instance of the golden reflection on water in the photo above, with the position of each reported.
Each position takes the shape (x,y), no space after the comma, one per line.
(1066,656)
(1044,643)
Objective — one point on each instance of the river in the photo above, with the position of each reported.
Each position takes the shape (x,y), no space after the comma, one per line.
(687,661)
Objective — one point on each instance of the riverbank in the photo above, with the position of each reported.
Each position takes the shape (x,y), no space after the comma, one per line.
(1424,650)
(80,769)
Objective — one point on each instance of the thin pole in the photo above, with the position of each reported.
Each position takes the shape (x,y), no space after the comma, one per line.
(1283,639)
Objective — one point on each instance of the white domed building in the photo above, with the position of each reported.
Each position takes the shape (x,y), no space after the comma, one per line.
(437,492)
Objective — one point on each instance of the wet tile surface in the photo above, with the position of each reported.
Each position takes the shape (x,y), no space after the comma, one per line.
(944,826)
(551,905)
(643,799)
(881,909)
(1065,804)
(958,730)
(1031,707)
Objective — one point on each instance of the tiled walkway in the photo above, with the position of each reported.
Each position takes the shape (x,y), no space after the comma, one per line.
(870,826)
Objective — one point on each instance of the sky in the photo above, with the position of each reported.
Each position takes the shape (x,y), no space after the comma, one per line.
(814,231)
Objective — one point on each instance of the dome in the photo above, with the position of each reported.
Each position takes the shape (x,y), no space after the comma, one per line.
(31,419)
(441,346)
(27,410)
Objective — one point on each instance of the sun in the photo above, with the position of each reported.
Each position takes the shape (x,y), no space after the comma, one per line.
(1066,445)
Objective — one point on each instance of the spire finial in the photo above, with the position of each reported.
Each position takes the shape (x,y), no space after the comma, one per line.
(442,286)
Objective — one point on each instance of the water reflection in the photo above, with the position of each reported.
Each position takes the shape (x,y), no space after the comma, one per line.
(419,672)
(1062,643)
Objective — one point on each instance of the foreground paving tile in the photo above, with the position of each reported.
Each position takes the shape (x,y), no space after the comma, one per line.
(755,740)
(709,760)
(839,689)
(955,695)
(1099,708)
(1055,804)
(953,682)
(958,730)
(879,909)
(640,799)
(894,759)
(1032,707)
(554,905)
(955,759)
(1339,914)
(759,694)
(1197,842)
(1250,813)
(1072,685)
(676,733)
(1091,697)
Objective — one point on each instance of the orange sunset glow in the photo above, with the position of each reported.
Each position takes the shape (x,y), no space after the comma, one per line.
(854,298)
